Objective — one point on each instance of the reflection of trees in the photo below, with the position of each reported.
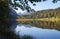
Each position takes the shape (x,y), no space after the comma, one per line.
(26,37)
(44,24)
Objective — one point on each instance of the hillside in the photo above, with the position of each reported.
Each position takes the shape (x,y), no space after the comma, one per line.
(42,14)
(46,19)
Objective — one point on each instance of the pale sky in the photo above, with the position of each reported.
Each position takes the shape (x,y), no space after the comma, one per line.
(42,6)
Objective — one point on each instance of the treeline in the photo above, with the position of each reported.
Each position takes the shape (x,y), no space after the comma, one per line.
(42,14)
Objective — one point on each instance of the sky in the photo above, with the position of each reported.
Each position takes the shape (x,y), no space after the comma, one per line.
(42,6)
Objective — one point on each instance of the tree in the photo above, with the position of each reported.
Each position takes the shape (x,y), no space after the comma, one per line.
(23,4)
(5,10)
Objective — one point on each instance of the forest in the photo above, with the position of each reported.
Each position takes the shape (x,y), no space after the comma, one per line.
(50,19)
(5,20)
(42,14)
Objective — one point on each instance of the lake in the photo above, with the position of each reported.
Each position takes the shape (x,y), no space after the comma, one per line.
(37,29)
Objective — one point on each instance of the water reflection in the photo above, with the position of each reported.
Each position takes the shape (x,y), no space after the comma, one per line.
(37,33)
(37,29)
(43,24)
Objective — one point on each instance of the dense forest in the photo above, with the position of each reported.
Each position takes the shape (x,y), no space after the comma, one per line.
(42,14)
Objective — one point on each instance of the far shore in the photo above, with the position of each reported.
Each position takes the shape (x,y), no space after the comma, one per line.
(41,19)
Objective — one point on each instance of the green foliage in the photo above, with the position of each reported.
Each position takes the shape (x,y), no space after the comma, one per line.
(4,10)
(24,4)
(4,13)
(5,21)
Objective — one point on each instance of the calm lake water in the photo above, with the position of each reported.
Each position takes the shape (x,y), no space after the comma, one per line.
(38,29)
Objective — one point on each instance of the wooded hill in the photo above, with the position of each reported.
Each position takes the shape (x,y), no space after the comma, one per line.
(42,14)
(35,19)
